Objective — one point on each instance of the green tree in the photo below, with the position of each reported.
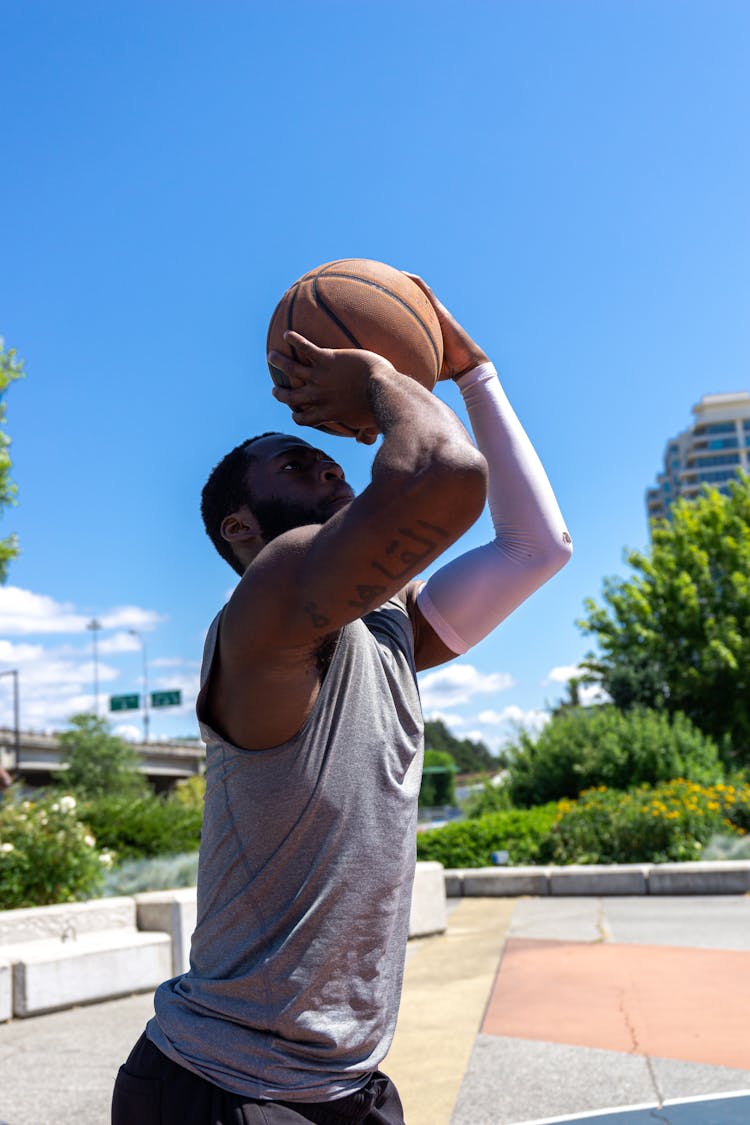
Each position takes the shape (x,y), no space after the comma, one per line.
(676,634)
(438,779)
(593,746)
(11,368)
(98,762)
(470,757)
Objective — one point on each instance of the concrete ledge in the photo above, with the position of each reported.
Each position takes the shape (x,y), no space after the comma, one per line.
(66,920)
(506,881)
(595,879)
(720,877)
(6,994)
(428,907)
(454,882)
(174,913)
(50,974)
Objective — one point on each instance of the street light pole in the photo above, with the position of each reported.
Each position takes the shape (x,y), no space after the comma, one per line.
(16,713)
(95,627)
(135,633)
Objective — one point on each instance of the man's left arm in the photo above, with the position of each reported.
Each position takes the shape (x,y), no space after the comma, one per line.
(467,598)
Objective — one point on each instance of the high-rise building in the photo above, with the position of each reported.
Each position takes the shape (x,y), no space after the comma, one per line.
(712,451)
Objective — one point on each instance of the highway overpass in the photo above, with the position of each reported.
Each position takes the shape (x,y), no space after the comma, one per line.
(39,758)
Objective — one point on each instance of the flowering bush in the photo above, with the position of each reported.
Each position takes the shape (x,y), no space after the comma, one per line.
(46,854)
(660,824)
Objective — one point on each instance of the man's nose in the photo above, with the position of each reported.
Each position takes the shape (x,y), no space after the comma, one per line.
(329,470)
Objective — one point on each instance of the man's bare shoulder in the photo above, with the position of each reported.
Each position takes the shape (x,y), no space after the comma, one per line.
(262,598)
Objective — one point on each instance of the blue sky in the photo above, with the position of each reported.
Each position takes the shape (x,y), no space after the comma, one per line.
(571,177)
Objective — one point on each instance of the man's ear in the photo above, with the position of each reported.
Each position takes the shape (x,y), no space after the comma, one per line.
(240,527)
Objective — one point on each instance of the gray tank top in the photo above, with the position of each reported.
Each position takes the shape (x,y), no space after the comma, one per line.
(304,885)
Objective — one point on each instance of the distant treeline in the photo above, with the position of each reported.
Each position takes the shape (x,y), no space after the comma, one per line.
(470,757)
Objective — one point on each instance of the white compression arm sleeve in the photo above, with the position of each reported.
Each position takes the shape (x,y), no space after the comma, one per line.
(467,598)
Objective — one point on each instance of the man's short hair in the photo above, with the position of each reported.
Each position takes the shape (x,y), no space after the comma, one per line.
(224,492)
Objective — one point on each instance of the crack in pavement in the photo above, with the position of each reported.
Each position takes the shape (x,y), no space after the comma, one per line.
(605,934)
(636,1050)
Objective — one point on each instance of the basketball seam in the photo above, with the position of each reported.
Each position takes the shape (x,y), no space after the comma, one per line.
(381,289)
(332,315)
(289,323)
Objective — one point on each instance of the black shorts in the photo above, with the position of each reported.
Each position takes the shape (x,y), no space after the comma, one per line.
(152,1090)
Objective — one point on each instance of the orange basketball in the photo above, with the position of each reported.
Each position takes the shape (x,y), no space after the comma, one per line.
(358,303)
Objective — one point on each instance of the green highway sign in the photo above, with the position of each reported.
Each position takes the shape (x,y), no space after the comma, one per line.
(166,698)
(124,702)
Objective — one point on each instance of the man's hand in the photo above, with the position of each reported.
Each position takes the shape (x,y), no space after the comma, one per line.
(460,353)
(330,387)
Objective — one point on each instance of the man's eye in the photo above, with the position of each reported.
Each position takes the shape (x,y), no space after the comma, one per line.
(293,465)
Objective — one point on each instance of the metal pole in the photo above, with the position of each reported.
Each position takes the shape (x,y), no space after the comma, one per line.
(17,717)
(135,633)
(16,713)
(95,626)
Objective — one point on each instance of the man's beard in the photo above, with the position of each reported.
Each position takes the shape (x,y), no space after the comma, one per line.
(277,516)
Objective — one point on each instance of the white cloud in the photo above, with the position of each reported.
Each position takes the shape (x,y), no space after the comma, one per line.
(492,717)
(117,643)
(532,719)
(450,718)
(129,732)
(17,654)
(458,683)
(475,736)
(562,674)
(591,694)
(23,612)
(130,617)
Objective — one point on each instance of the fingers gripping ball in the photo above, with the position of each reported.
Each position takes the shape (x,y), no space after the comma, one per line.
(358,303)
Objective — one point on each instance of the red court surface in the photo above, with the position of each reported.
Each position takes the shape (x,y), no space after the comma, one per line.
(662,1001)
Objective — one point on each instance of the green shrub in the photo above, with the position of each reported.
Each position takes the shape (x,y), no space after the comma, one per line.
(191,791)
(134,827)
(659,824)
(490,798)
(581,748)
(523,833)
(46,854)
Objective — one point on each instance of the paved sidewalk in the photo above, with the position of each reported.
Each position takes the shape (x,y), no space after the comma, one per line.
(606,1003)
(524,1011)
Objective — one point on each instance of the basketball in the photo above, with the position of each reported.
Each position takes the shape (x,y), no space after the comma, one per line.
(358,303)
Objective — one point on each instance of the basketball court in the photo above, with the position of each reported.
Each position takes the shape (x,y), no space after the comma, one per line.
(732,1109)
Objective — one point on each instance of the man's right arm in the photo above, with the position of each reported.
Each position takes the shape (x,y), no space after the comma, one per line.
(428,486)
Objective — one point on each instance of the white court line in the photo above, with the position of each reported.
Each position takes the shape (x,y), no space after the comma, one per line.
(582,1118)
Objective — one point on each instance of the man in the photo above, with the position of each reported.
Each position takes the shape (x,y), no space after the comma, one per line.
(310,712)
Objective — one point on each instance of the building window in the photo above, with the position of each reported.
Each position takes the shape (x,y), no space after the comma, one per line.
(717,475)
(710,462)
(715,428)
